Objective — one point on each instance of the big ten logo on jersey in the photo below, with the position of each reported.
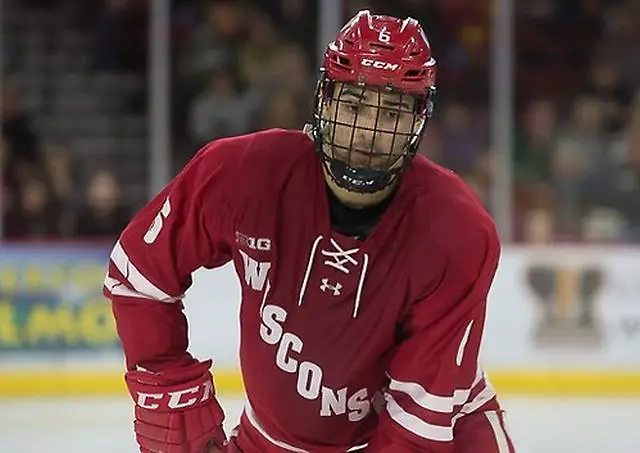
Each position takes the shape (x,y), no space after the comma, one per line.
(261,244)
(255,272)
(309,375)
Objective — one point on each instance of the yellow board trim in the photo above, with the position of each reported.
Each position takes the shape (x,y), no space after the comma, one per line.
(568,383)
(47,383)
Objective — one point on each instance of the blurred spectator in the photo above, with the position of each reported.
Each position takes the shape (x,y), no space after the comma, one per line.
(18,131)
(63,179)
(463,137)
(613,190)
(281,112)
(58,162)
(9,183)
(620,38)
(34,214)
(221,110)
(19,152)
(584,130)
(292,74)
(601,226)
(287,98)
(539,227)
(103,214)
(569,165)
(208,36)
(212,46)
(111,41)
(297,20)
(534,143)
(614,95)
(258,56)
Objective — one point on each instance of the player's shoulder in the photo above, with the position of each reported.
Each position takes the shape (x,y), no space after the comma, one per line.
(265,145)
(254,165)
(447,207)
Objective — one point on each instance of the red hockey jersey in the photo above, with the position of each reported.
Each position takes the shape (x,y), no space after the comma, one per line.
(344,343)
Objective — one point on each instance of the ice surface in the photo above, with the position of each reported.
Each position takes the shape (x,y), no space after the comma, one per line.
(104,425)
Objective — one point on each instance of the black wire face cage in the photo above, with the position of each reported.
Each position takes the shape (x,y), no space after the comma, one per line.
(367,136)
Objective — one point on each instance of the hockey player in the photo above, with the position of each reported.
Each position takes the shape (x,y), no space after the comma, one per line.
(364,269)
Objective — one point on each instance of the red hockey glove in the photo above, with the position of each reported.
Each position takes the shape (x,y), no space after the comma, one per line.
(176,411)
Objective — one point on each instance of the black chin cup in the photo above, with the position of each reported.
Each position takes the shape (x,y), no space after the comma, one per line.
(358,179)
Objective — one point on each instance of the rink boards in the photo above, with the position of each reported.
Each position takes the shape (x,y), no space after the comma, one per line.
(561,321)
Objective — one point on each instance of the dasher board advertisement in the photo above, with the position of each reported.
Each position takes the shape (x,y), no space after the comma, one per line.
(565,308)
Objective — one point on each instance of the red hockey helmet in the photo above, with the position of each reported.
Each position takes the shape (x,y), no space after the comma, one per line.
(373,101)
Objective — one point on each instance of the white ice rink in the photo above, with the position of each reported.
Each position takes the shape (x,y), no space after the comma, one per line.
(104,425)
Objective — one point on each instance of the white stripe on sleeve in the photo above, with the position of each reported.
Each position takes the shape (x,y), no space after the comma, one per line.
(415,425)
(501,435)
(135,278)
(436,403)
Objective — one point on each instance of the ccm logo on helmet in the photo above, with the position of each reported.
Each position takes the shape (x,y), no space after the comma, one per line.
(379,64)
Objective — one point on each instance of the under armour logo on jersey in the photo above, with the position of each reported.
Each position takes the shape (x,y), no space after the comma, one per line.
(335,289)
(340,257)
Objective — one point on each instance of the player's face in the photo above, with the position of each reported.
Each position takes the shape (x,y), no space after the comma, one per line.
(369,128)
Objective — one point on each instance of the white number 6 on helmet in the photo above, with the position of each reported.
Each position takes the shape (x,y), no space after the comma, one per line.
(384,36)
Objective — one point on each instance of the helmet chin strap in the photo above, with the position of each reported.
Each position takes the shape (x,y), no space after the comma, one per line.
(358,180)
